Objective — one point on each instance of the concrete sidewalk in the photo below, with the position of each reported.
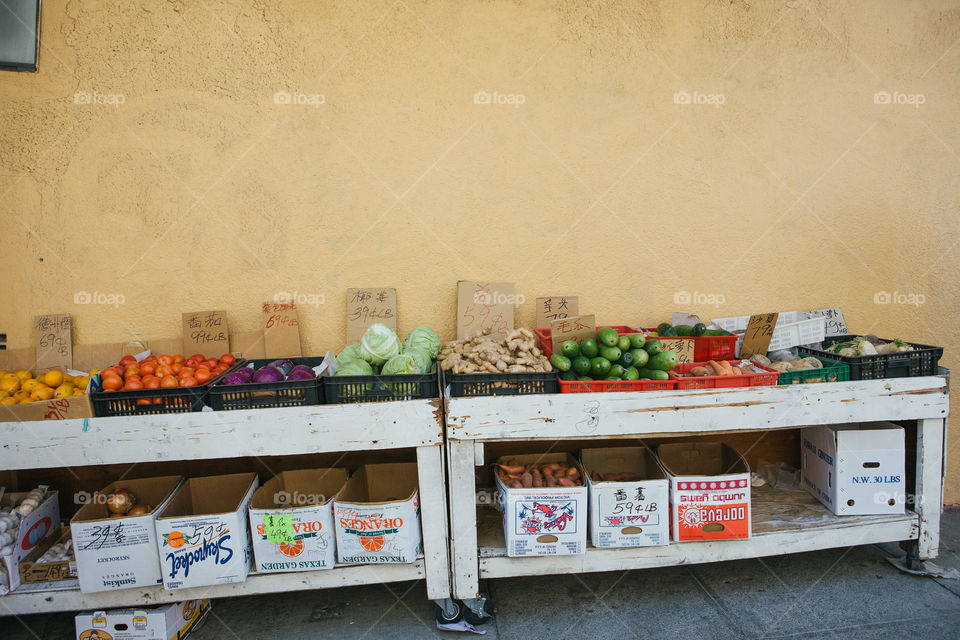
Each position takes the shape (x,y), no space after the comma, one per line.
(847,593)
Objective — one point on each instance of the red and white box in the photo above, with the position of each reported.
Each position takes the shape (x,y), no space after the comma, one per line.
(627,513)
(377,515)
(543,521)
(291,520)
(43,521)
(709,491)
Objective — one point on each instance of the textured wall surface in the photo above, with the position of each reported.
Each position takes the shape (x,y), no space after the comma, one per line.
(151,158)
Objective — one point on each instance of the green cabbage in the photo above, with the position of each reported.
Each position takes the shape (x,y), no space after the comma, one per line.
(422,357)
(351,352)
(379,344)
(354,368)
(425,338)
(400,365)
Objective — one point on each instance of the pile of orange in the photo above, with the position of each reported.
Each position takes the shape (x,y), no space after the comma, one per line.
(163,372)
(20,387)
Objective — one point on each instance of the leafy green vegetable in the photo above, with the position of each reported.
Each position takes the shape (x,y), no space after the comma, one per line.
(422,357)
(354,368)
(402,364)
(379,344)
(425,338)
(351,352)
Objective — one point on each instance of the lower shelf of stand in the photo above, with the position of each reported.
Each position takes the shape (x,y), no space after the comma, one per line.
(783,522)
(36,600)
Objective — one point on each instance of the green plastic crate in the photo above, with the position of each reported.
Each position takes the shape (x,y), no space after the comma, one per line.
(831,372)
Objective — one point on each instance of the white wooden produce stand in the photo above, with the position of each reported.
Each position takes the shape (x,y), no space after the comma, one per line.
(783,521)
(232,434)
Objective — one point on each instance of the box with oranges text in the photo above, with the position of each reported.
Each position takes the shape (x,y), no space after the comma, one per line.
(36,525)
(377,515)
(203,533)
(543,521)
(174,621)
(120,551)
(709,491)
(291,520)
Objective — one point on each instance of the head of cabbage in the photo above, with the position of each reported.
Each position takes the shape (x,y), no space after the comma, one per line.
(425,338)
(422,357)
(378,344)
(402,364)
(354,368)
(351,352)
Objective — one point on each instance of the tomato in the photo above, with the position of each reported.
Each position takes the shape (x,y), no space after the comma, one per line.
(131,370)
(212,362)
(149,358)
(125,360)
(111,371)
(176,368)
(166,359)
(151,382)
(220,368)
(111,383)
(204,365)
(203,376)
(168,381)
(164,370)
(132,385)
(188,382)
(144,401)
(186,371)
(190,362)
(227,359)
(148,369)
(178,358)
(198,357)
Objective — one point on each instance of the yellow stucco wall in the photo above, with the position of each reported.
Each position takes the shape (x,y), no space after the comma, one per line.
(149,158)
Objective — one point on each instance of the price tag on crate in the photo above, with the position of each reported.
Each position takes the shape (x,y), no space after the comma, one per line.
(206,332)
(683,347)
(54,342)
(370,306)
(281,330)
(835,324)
(576,328)
(279,528)
(759,331)
(484,305)
(556,308)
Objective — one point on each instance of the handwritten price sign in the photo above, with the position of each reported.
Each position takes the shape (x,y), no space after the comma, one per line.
(759,332)
(683,347)
(484,305)
(369,306)
(206,332)
(281,330)
(54,343)
(576,328)
(556,308)
(835,324)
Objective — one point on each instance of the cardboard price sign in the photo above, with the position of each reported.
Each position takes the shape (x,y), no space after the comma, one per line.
(484,305)
(576,328)
(683,347)
(206,332)
(556,308)
(279,528)
(759,331)
(281,330)
(54,342)
(370,306)
(835,324)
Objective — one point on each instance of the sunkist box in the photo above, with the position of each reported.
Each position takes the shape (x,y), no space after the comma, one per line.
(546,521)
(627,513)
(855,469)
(121,553)
(291,520)
(43,521)
(709,491)
(170,622)
(377,515)
(203,533)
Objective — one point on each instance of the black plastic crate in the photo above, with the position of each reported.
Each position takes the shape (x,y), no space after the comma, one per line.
(464,385)
(262,395)
(922,361)
(107,404)
(374,388)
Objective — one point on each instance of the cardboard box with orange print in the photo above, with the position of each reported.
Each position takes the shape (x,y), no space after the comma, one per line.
(203,533)
(174,621)
(120,553)
(378,515)
(709,491)
(291,520)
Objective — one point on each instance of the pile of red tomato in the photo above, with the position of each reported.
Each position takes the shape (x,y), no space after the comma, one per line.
(163,372)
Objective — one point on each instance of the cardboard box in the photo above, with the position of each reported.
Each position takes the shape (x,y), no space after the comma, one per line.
(120,553)
(34,529)
(855,469)
(203,534)
(547,521)
(170,622)
(709,491)
(291,520)
(377,515)
(627,513)
(32,572)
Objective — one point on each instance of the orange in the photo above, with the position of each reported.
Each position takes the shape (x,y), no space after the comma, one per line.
(22,396)
(23,374)
(168,381)
(9,385)
(174,539)
(28,385)
(41,392)
(65,390)
(371,543)
(291,550)
(9,400)
(53,379)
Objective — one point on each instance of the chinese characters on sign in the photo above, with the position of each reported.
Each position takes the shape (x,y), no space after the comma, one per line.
(835,324)
(369,306)
(281,329)
(577,328)
(484,305)
(54,344)
(206,332)
(759,331)
(556,308)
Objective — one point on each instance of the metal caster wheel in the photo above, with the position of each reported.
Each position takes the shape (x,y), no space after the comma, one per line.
(478,611)
(447,613)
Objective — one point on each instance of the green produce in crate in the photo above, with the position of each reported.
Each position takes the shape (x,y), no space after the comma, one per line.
(607,336)
(653,347)
(589,348)
(425,338)
(599,367)
(640,357)
(624,343)
(631,373)
(616,370)
(570,348)
(664,361)
(568,375)
(626,359)
(560,362)
(699,329)
(684,330)
(610,353)
(580,365)
(636,340)
(663,326)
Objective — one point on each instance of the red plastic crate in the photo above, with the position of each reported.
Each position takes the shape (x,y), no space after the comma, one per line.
(600,386)
(708,347)
(545,337)
(768,377)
